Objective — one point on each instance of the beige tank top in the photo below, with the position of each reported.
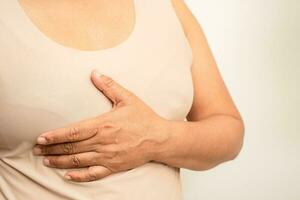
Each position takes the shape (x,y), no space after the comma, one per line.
(45,85)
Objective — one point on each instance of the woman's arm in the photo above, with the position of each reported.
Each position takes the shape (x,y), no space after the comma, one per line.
(215,130)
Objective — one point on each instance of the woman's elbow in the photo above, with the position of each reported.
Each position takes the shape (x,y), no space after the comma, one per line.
(237,140)
(231,149)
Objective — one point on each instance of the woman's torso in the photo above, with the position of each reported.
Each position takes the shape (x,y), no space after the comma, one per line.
(45,85)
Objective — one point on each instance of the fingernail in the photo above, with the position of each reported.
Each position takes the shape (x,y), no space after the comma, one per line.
(68,177)
(98,74)
(46,162)
(37,150)
(41,140)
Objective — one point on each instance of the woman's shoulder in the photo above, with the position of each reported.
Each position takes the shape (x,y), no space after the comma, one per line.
(189,23)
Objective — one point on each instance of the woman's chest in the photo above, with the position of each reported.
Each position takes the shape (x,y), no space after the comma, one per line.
(80,25)
(41,92)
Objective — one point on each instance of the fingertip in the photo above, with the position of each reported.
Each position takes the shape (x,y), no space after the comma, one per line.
(96,73)
(41,140)
(67,177)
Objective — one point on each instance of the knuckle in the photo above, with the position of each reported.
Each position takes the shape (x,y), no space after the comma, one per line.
(45,150)
(75,161)
(53,161)
(73,133)
(108,81)
(68,148)
(50,138)
(91,174)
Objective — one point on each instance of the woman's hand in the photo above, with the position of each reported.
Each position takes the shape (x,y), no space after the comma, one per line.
(119,140)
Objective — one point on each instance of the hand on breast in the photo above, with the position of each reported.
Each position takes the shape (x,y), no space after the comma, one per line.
(115,141)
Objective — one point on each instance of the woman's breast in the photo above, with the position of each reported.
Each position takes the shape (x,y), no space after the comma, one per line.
(41,92)
(39,95)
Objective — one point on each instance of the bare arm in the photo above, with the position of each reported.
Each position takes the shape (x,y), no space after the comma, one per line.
(214,131)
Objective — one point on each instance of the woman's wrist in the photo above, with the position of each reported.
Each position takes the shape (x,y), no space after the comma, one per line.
(165,141)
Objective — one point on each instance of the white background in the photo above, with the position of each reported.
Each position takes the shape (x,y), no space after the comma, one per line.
(256,45)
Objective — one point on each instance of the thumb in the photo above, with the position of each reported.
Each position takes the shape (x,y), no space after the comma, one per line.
(111,89)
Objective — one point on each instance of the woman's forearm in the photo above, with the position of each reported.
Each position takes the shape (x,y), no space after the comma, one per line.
(200,145)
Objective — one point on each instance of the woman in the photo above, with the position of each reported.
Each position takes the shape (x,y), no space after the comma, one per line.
(94,97)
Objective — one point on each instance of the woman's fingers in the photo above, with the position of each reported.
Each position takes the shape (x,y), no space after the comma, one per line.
(91,173)
(118,94)
(64,148)
(73,161)
(108,136)
(74,132)
(97,157)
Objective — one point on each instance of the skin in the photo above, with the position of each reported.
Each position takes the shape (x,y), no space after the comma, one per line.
(132,134)
(98,24)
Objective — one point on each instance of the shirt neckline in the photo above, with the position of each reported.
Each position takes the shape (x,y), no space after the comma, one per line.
(39,36)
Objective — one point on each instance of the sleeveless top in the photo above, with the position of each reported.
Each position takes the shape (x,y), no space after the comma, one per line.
(45,85)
